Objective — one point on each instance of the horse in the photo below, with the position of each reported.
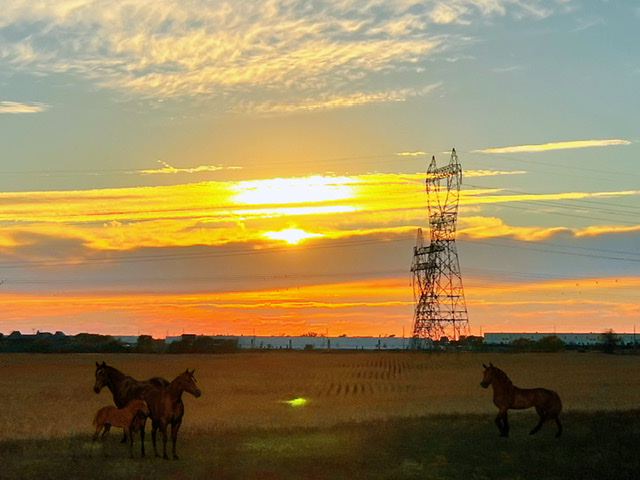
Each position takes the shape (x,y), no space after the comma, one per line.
(166,407)
(129,418)
(124,388)
(506,395)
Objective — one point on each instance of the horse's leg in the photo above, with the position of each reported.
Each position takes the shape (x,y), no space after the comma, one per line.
(537,428)
(544,416)
(506,424)
(559,432)
(107,427)
(95,435)
(164,442)
(174,437)
(142,425)
(127,431)
(503,423)
(154,429)
(498,422)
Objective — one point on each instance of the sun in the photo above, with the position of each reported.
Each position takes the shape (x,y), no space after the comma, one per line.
(291,235)
(312,189)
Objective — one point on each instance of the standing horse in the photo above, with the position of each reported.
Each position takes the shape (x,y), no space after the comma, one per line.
(129,418)
(166,407)
(506,395)
(125,388)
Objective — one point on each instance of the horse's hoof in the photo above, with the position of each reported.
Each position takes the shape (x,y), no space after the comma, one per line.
(166,457)
(176,457)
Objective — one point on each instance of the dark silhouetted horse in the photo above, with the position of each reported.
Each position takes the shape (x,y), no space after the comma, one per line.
(166,407)
(506,395)
(130,418)
(125,388)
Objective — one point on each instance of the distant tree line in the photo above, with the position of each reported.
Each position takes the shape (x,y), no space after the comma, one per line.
(60,343)
(187,344)
(609,343)
(44,342)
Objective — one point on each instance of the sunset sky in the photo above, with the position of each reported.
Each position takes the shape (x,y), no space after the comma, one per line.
(258,167)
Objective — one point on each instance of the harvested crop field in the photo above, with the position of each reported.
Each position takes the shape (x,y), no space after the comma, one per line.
(327,415)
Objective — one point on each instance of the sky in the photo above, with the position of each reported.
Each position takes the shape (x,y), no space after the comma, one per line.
(258,167)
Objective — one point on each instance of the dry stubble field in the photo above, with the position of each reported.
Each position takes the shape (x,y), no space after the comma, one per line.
(395,403)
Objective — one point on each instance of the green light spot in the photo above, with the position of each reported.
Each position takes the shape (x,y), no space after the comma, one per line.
(297,402)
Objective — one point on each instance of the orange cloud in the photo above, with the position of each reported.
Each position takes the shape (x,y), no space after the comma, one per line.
(215,213)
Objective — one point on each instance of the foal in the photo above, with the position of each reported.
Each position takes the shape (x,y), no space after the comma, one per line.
(132,417)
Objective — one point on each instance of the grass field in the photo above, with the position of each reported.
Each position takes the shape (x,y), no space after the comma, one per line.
(367,415)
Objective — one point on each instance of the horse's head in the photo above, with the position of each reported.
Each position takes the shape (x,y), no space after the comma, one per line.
(141,406)
(488,375)
(187,382)
(101,377)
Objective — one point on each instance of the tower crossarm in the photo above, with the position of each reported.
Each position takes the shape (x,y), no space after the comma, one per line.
(444,172)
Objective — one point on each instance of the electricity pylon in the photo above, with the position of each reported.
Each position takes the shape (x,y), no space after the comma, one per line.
(440,309)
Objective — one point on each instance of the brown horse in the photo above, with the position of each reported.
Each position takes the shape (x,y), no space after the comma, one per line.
(506,395)
(165,404)
(124,388)
(129,418)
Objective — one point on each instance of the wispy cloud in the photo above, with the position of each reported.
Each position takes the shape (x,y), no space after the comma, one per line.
(328,101)
(544,147)
(250,49)
(20,107)
(417,153)
(488,227)
(167,169)
(490,173)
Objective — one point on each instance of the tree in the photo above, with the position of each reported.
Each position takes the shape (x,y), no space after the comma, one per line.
(552,343)
(609,341)
(523,344)
(147,344)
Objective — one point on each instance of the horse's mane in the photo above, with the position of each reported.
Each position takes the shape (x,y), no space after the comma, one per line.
(113,371)
(502,375)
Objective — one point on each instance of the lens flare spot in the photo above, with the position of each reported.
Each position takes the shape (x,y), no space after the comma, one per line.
(297,402)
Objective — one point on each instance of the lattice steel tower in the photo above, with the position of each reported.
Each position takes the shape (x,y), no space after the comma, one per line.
(440,309)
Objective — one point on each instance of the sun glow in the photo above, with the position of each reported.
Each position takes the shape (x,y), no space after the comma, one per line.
(315,188)
(291,235)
